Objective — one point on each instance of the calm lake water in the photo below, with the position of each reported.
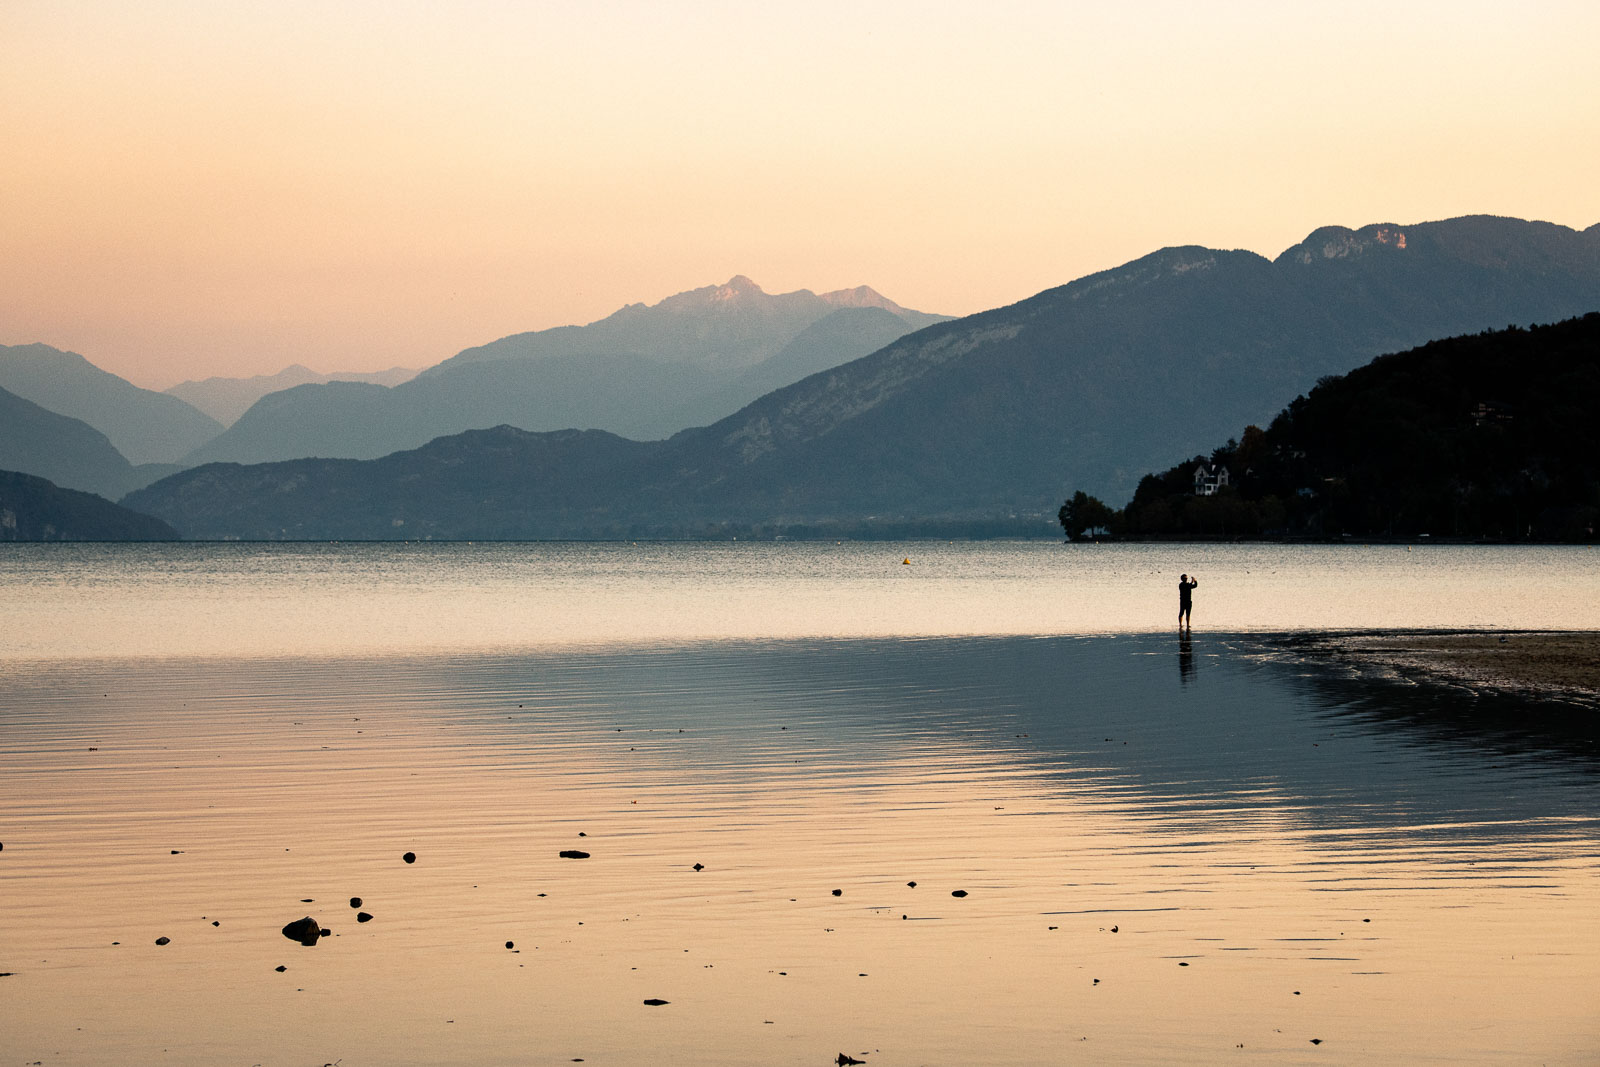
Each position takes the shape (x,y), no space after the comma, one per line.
(1172,851)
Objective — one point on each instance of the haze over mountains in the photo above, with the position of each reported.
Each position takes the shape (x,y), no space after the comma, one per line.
(642,372)
(225,399)
(1089,385)
(145,426)
(66,451)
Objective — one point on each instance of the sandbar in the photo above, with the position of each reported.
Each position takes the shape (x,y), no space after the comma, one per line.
(1561,665)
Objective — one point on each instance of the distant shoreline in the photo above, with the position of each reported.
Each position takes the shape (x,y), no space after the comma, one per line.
(1554,665)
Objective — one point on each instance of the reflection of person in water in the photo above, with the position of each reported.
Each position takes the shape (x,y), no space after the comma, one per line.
(1185,657)
(1186,586)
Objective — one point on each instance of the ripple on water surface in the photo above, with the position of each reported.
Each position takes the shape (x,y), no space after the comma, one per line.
(1166,852)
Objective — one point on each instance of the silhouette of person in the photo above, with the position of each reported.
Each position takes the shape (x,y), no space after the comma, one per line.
(1185,598)
(1185,657)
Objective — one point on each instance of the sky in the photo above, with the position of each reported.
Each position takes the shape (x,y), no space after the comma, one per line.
(225,188)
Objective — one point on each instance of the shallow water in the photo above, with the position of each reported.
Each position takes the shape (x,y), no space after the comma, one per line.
(265,599)
(1330,862)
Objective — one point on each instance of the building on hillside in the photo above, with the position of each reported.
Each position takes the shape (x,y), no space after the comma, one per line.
(1208,478)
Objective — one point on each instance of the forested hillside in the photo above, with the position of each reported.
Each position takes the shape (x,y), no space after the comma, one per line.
(1486,436)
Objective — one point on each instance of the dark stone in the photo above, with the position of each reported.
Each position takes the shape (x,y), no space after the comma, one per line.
(214,923)
(306,931)
(410,857)
(1182,964)
(325,932)
(163,940)
(573,854)
(280,968)
(363,917)
(511,944)
(844,1060)
(656,1002)
(1113,929)
(1316,1041)
(913,885)
(582,834)
(699,866)
(838,892)
(958,892)
(355,902)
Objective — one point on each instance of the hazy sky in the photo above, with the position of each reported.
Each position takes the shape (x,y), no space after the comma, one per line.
(195,188)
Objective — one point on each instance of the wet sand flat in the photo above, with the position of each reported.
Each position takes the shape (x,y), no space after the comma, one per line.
(1169,849)
(1564,664)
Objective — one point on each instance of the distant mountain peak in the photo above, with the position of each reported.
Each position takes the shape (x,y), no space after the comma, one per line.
(1341,242)
(862,296)
(739,283)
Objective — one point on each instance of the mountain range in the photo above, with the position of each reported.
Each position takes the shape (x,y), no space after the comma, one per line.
(1087,385)
(225,399)
(67,451)
(642,372)
(143,425)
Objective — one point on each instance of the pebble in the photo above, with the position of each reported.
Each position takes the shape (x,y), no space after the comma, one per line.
(163,940)
(511,944)
(410,857)
(656,1002)
(838,892)
(355,902)
(699,866)
(363,917)
(280,968)
(573,854)
(958,892)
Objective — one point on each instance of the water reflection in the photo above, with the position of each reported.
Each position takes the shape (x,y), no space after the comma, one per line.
(1108,822)
(1185,656)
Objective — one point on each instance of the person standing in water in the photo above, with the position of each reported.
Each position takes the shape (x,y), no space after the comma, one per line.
(1185,598)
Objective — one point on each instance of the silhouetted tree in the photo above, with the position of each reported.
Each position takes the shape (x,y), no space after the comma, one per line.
(1083,514)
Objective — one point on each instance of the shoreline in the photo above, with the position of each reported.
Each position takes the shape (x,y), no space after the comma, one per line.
(1548,665)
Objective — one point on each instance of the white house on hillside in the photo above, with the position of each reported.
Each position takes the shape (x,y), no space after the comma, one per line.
(1208,479)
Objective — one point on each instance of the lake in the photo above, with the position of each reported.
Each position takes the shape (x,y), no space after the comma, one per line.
(1169,850)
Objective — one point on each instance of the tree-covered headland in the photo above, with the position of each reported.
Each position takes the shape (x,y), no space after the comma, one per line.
(1493,436)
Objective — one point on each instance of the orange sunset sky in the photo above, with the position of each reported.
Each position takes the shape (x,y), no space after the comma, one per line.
(198,188)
